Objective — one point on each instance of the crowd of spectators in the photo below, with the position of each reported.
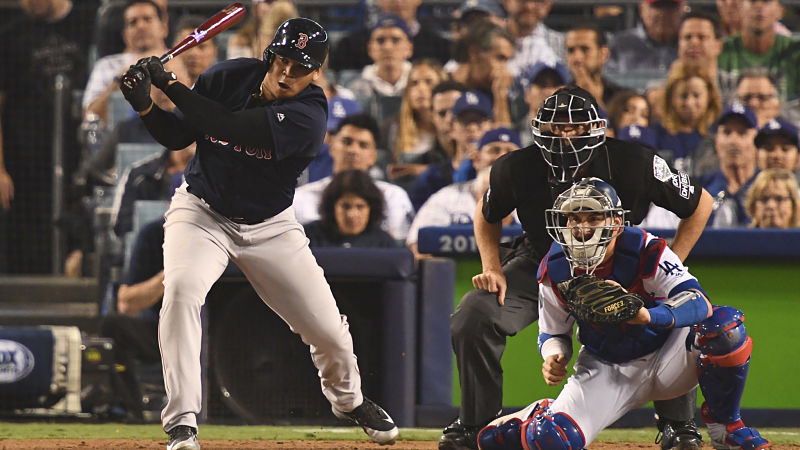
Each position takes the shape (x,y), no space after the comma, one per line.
(698,84)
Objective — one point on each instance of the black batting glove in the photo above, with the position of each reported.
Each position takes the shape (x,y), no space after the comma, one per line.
(135,87)
(159,75)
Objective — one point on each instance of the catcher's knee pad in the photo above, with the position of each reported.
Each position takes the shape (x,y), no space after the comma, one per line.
(722,338)
(723,362)
(505,433)
(552,431)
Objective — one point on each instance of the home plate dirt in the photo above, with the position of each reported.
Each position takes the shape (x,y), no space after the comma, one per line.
(105,444)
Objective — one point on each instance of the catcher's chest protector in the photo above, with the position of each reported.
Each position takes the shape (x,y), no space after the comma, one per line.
(632,261)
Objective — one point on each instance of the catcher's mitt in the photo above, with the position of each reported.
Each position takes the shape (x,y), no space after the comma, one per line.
(594,300)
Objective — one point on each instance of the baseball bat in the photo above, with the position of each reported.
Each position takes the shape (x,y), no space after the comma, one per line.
(219,22)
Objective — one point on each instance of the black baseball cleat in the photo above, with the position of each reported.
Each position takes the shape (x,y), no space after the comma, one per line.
(678,435)
(458,436)
(373,419)
(183,437)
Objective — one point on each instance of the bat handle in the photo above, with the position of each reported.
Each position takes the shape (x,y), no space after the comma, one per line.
(131,82)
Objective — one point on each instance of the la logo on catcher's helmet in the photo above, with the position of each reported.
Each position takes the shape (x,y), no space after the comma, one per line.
(585,243)
(301,40)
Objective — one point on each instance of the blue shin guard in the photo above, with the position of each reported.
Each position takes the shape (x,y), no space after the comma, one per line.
(507,436)
(722,371)
(555,431)
(723,362)
(541,429)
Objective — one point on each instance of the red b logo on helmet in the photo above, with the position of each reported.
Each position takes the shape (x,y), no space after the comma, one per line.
(302,39)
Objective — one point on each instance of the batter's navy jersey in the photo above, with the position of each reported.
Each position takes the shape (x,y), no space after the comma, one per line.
(255,179)
(519,180)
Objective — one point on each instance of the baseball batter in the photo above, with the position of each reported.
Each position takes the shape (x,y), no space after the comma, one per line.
(257,125)
(623,366)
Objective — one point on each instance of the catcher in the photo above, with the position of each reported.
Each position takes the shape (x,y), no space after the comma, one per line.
(647,329)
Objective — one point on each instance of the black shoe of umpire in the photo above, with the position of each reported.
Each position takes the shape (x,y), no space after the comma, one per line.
(458,436)
(373,419)
(678,435)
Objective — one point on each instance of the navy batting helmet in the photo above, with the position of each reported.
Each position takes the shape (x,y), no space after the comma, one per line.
(301,40)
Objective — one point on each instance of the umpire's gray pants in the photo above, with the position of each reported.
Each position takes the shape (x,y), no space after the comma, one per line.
(479,328)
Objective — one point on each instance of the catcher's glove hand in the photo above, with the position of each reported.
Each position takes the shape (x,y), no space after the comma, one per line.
(594,300)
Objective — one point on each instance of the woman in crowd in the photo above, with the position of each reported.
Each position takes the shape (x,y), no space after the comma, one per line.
(265,16)
(773,201)
(351,210)
(690,105)
(412,132)
(627,108)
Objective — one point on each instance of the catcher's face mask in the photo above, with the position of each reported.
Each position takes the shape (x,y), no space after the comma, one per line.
(584,220)
(567,129)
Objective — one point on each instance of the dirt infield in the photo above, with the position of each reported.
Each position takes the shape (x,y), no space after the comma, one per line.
(92,444)
(53,444)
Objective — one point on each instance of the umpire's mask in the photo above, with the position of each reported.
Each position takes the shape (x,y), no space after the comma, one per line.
(567,129)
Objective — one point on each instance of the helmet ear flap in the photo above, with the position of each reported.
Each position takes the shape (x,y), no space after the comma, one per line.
(269,57)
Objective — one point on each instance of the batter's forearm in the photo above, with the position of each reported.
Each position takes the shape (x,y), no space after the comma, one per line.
(247,127)
(167,129)
(690,228)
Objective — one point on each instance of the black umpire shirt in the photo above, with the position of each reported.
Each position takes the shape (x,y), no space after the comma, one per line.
(519,180)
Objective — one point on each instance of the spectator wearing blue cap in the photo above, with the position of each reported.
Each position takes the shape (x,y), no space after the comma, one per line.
(735,147)
(322,166)
(492,145)
(777,146)
(350,52)
(539,81)
(472,117)
(379,89)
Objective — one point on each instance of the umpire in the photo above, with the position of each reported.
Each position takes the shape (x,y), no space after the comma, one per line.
(569,143)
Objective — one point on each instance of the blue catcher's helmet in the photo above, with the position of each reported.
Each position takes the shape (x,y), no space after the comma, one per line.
(300,39)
